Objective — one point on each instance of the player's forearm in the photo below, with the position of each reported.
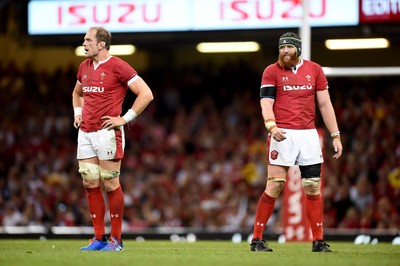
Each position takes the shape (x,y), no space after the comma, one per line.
(329,117)
(77,101)
(77,104)
(267,109)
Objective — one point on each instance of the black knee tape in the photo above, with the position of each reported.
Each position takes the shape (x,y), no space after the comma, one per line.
(309,171)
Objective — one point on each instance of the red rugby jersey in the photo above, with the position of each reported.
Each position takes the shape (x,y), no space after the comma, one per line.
(294,106)
(104,89)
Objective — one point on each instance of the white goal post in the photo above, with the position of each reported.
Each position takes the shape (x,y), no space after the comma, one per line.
(361,71)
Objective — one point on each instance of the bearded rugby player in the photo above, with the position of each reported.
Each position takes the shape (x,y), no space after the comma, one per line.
(290,90)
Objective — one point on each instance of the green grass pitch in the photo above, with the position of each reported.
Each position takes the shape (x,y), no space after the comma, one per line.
(165,253)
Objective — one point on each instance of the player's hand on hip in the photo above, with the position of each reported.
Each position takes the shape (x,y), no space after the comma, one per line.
(278,134)
(77,121)
(337,147)
(111,122)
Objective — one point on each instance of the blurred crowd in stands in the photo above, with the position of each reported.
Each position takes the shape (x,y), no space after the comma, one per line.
(196,157)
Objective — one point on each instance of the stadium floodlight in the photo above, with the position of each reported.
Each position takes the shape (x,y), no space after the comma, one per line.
(355,44)
(125,49)
(227,47)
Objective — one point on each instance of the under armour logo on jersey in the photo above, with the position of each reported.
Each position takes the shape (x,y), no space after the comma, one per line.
(114,215)
(110,152)
(285,78)
(319,224)
(260,224)
(93,216)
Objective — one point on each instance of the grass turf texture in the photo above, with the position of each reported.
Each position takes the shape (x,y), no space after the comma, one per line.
(166,253)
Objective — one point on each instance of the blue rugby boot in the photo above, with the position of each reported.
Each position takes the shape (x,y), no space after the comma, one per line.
(94,245)
(113,245)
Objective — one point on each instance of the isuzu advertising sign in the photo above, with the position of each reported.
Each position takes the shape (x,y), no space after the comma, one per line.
(71,17)
(379,11)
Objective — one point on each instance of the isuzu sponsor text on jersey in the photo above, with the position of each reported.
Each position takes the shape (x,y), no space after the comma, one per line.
(296,87)
(92,89)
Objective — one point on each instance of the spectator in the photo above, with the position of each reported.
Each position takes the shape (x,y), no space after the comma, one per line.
(221,131)
(361,193)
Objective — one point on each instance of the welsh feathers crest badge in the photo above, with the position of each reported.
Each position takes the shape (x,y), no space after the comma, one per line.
(274,154)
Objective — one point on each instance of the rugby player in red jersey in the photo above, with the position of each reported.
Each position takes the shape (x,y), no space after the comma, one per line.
(290,90)
(102,83)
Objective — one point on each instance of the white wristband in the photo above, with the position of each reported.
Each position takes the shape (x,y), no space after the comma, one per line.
(129,116)
(77,111)
(335,134)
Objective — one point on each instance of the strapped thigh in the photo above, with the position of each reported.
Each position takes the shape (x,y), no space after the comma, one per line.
(108,174)
(276,179)
(89,171)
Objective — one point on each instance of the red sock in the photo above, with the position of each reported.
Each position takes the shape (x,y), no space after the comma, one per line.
(97,211)
(116,203)
(265,208)
(314,215)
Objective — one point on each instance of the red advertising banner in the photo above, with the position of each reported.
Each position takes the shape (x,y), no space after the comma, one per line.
(296,227)
(379,11)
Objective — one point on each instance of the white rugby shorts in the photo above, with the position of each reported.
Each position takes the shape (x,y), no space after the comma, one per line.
(301,147)
(104,144)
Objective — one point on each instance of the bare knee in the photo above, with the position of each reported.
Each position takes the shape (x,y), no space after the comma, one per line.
(111,184)
(91,183)
(110,179)
(276,180)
